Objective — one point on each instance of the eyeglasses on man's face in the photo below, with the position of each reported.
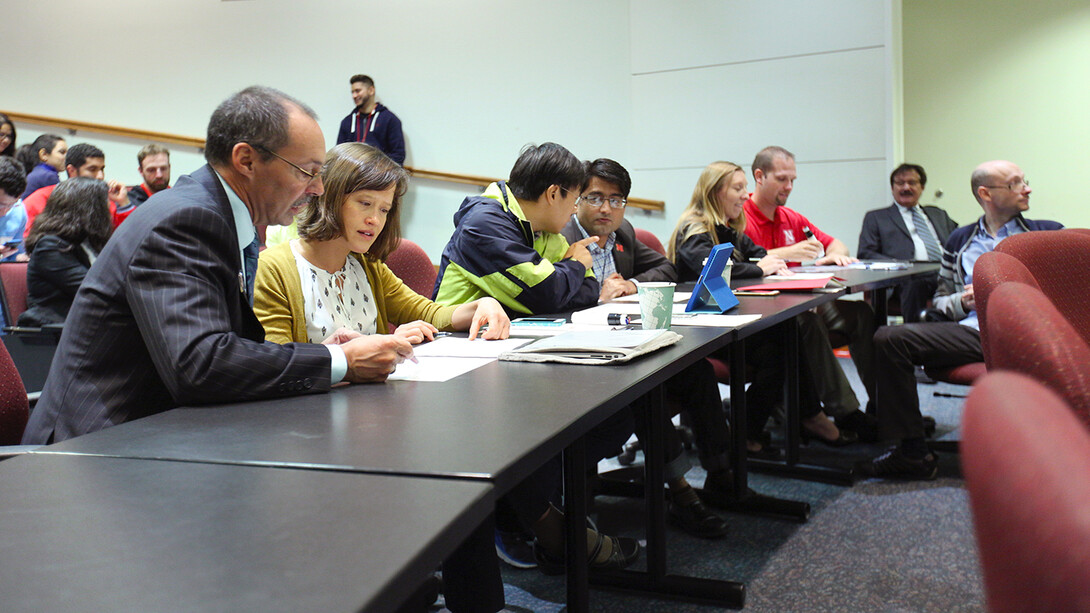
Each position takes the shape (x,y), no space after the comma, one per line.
(596,200)
(1016,186)
(310,176)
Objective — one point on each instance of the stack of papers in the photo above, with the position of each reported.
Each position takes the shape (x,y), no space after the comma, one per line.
(855,266)
(596,347)
(447,357)
(799,282)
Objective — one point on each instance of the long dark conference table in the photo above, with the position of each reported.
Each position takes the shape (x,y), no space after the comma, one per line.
(496,424)
(493,425)
(87,533)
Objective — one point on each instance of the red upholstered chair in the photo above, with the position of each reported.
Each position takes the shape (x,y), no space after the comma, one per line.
(13,282)
(990,270)
(993,269)
(1026,461)
(1057,261)
(650,240)
(1028,334)
(413,267)
(966,374)
(14,407)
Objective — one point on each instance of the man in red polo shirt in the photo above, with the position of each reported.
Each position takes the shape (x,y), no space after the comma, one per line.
(790,235)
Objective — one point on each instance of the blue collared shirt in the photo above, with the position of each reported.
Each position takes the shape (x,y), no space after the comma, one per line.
(244,226)
(602,257)
(982,243)
(12,226)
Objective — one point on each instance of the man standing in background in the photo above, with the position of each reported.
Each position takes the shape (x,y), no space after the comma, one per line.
(154,167)
(371,122)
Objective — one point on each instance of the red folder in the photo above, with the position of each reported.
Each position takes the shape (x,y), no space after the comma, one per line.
(802,285)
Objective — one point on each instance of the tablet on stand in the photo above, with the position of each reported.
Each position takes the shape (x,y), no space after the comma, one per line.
(712,293)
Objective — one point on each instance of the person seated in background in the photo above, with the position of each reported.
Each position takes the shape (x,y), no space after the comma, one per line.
(507,245)
(26,157)
(783,232)
(715,215)
(12,213)
(82,160)
(66,239)
(619,259)
(153,164)
(7,138)
(334,276)
(48,151)
(1001,189)
(907,230)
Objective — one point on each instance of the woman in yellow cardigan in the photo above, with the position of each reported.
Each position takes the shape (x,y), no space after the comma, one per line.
(333,277)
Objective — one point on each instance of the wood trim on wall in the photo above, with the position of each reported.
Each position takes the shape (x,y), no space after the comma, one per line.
(198,143)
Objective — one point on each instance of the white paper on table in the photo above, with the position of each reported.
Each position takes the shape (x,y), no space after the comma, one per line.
(802,276)
(436,368)
(712,320)
(541,331)
(458,347)
(678,297)
(831,268)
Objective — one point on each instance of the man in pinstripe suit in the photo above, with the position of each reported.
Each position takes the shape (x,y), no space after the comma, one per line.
(164,316)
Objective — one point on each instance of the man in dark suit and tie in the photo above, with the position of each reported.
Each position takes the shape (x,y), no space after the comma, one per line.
(907,230)
(164,316)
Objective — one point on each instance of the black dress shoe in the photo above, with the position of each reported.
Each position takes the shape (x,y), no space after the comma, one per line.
(696,519)
(893,464)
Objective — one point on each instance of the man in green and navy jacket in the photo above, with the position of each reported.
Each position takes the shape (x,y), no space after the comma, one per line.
(507,243)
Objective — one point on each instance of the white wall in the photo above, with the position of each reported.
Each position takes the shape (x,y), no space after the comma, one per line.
(721,80)
(999,80)
(663,87)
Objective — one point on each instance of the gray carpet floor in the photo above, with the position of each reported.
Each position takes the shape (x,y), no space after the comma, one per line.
(876,546)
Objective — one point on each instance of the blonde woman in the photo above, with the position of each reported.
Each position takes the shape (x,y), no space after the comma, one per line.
(715,216)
